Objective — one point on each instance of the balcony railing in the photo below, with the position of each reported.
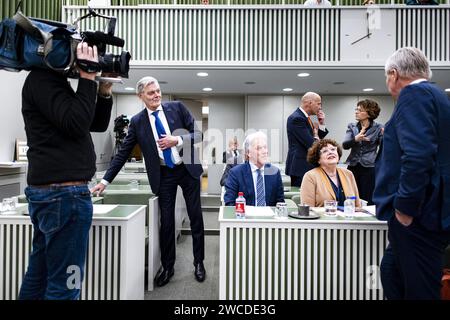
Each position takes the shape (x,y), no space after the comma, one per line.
(274,36)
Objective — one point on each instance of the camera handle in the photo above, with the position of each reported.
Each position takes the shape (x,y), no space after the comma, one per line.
(93,13)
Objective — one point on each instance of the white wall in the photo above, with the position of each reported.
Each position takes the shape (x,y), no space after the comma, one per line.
(272,112)
(265,113)
(226,119)
(12,125)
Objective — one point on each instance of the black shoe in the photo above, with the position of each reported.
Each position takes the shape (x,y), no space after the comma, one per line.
(200,272)
(163,277)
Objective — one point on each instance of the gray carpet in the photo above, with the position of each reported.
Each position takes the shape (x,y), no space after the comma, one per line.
(182,285)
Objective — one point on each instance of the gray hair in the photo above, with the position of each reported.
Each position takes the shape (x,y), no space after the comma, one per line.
(251,137)
(410,63)
(145,81)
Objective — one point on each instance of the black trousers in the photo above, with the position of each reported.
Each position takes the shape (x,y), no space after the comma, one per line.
(412,264)
(296,181)
(170,180)
(365,180)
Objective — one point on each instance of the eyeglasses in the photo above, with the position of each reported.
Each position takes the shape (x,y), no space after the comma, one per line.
(358,109)
(328,150)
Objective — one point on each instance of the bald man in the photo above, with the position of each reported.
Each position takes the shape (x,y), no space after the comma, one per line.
(301,133)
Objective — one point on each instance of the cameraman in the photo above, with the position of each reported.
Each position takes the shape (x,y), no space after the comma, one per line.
(61,161)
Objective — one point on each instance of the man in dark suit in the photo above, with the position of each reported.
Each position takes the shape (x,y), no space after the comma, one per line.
(258,180)
(412,186)
(166,133)
(301,133)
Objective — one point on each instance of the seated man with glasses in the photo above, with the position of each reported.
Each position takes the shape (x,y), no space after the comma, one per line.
(327,181)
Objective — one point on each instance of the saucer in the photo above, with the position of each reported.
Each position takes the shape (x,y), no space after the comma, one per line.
(311,216)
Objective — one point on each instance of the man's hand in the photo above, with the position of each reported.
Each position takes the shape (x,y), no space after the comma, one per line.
(99,188)
(321,117)
(85,52)
(316,130)
(167,142)
(105,89)
(404,219)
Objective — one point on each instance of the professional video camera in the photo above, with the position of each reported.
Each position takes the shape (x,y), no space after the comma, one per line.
(108,62)
(27,43)
(120,123)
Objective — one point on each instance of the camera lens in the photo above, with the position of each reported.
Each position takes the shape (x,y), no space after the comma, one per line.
(117,64)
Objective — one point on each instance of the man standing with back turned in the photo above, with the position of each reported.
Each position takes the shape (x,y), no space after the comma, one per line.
(412,185)
(166,133)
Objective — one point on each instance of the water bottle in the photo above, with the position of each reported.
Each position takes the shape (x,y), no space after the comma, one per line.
(349,207)
(240,206)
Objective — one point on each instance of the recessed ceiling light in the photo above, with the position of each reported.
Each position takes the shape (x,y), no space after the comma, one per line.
(368,89)
(202,74)
(303,74)
(287,89)
(207,89)
(447,90)
(205,110)
(129,89)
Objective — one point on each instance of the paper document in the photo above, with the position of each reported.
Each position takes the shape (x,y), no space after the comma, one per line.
(252,211)
(103,208)
(367,211)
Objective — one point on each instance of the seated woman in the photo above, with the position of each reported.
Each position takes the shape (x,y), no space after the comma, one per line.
(327,181)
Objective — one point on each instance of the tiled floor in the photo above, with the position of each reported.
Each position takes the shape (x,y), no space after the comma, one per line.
(183,285)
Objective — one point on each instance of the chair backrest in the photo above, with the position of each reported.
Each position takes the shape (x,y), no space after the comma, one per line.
(296,199)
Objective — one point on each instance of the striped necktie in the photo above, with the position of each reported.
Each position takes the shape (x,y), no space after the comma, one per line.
(260,194)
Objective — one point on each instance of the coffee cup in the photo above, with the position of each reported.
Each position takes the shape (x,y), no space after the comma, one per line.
(303,210)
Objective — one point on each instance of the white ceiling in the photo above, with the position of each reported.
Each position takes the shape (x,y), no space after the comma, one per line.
(227,81)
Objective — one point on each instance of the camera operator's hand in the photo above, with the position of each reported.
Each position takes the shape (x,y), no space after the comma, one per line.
(105,89)
(98,189)
(85,52)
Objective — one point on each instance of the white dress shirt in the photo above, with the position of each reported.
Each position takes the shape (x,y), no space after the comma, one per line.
(175,154)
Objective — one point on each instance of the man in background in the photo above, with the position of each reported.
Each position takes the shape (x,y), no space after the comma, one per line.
(259,181)
(412,184)
(301,133)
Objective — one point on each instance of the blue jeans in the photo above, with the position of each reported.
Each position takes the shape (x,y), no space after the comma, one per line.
(61,218)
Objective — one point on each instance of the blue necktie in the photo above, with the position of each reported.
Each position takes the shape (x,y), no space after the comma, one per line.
(167,153)
(260,194)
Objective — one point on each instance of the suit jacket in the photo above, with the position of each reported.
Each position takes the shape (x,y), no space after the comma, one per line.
(240,180)
(413,169)
(181,123)
(315,189)
(364,152)
(300,139)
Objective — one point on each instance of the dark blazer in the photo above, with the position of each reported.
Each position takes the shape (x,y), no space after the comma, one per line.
(413,168)
(181,123)
(364,152)
(240,180)
(300,139)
